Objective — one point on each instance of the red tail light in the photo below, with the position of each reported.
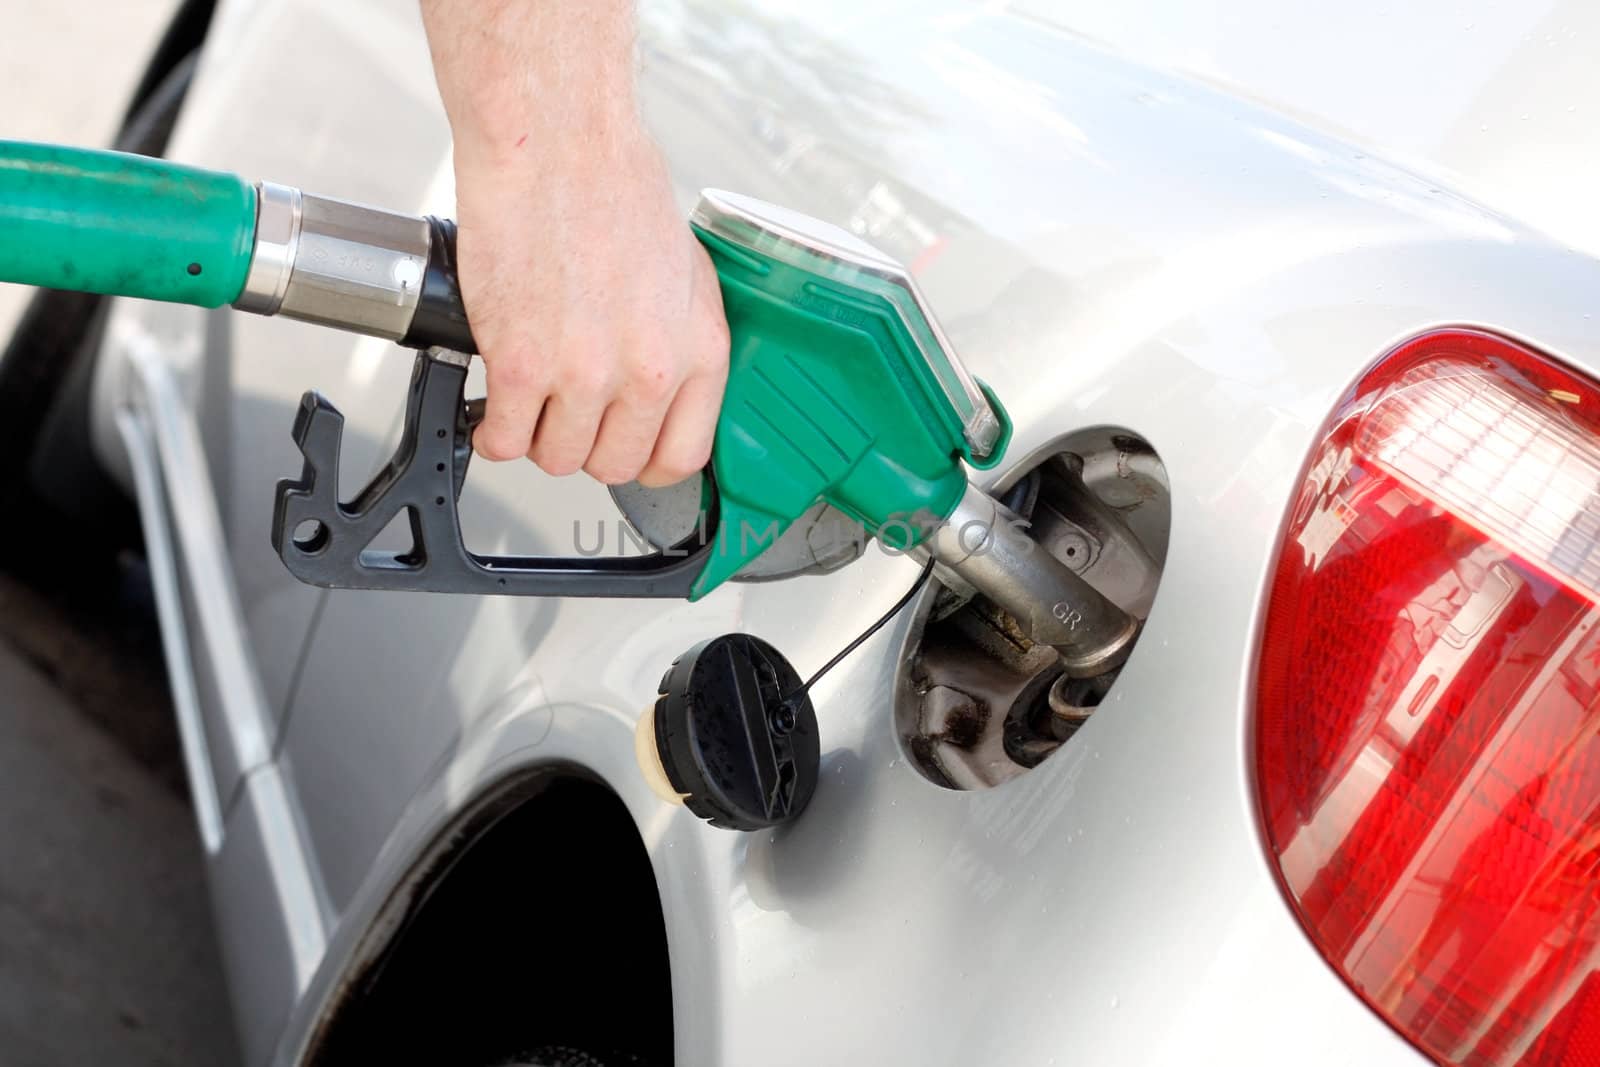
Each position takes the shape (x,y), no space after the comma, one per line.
(1428,731)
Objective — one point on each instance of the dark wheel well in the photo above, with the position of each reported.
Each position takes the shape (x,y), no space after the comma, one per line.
(535,921)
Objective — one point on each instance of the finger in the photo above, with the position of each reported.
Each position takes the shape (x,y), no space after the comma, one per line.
(627,436)
(516,398)
(566,433)
(684,445)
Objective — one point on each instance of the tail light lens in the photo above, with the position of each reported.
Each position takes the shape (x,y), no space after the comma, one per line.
(1428,704)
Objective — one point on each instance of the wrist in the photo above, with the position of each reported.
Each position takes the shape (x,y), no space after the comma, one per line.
(517,141)
(522,79)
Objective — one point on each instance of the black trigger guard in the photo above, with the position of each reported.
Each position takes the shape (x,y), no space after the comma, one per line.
(326,543)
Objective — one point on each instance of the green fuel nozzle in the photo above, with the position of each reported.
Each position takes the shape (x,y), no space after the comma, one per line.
(841,386)
(842,389)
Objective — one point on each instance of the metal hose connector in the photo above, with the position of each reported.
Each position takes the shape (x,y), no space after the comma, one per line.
(989,546)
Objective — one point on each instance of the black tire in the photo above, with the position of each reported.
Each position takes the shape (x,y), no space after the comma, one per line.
(554,1056)
(48,366)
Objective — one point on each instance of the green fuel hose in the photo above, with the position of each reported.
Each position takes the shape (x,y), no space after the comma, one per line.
(123,225)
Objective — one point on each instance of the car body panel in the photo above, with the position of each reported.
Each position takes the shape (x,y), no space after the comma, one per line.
(1496,100)
(272,921)
(1108,243)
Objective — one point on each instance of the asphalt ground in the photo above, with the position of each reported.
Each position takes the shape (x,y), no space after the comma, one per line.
(106,948)
(107,954)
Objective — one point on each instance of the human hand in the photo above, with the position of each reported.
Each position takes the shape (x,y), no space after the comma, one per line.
(597,312)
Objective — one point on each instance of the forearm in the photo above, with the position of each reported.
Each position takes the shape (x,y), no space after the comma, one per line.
(598,314)
(518,77)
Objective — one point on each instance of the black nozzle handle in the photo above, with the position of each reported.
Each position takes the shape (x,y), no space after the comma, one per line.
(326,541)
(440,320)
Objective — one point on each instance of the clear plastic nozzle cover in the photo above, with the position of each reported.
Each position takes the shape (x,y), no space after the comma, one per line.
(836,254)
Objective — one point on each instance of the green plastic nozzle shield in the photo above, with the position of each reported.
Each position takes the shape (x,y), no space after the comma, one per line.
(842,388)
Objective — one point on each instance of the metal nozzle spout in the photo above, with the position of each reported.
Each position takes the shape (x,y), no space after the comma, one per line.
(988,545)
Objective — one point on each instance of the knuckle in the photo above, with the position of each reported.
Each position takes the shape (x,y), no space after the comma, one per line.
(657,476)
(590,372)
(696,458)
(718,338)
(613,470)
(497,445)
(557,465)
(712,352)
(516,373)
(654,378)
(556,459)
(679,463)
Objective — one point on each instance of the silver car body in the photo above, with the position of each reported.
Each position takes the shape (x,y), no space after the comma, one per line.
(1198,221)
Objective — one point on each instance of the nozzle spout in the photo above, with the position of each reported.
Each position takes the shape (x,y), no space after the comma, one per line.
(989,546)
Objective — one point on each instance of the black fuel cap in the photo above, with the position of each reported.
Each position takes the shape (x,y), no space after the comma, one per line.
(743,756)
